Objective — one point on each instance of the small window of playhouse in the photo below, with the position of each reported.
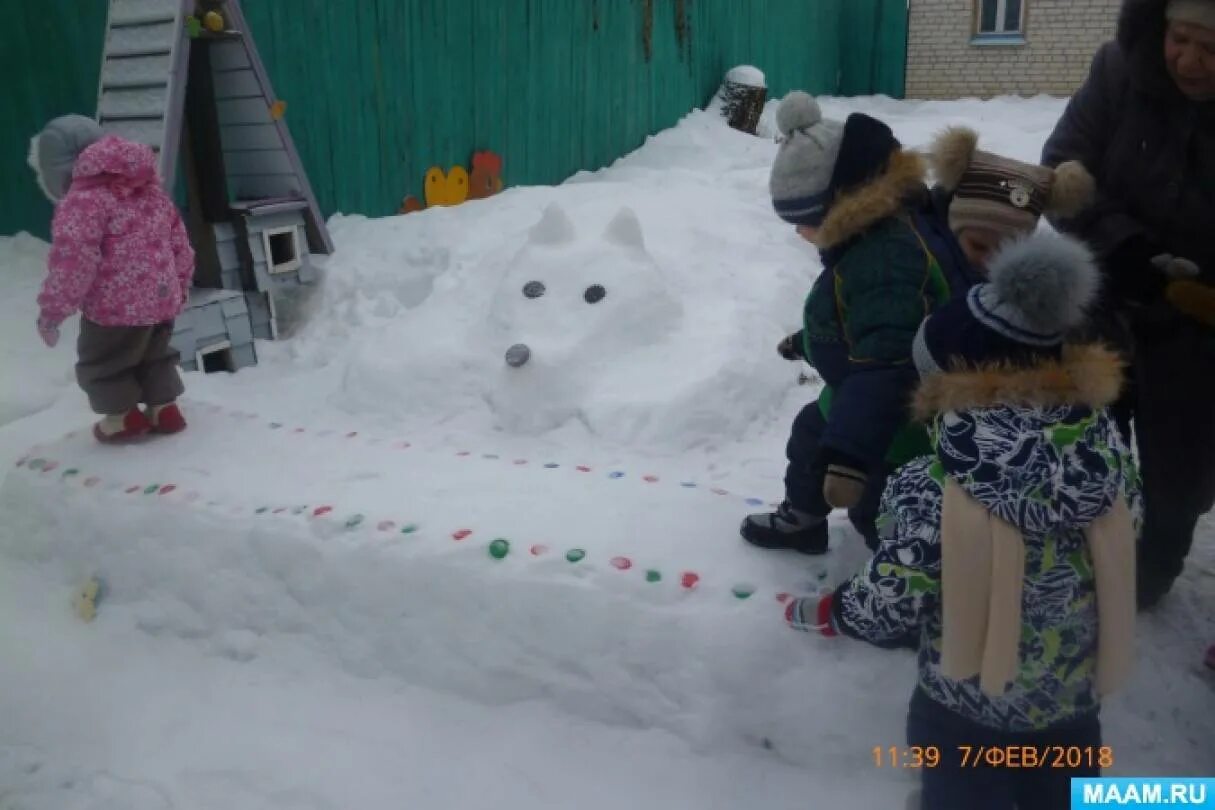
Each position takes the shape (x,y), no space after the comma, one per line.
(282,249)
(216,357)
(999,22)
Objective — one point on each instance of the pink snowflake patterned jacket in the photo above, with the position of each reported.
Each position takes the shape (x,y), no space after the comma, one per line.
(119,250)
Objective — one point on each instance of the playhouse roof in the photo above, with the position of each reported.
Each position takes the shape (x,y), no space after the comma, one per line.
(142,95)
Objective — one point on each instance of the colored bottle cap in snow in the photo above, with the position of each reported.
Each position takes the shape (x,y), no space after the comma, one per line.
(575,555)
(92,481)
(499,548)
(539,549)
(461,534)
(409,528)
(689,579)
(615,474)
(621,563)
(261,510)
(754,502)
(743,591)
(551,465)
(50,465)
(582,468)
(70,471)
(386,525)
(321,511)
(353,521)
(687,484)
(150,488)
(167,488)
(275,425)
(650,479)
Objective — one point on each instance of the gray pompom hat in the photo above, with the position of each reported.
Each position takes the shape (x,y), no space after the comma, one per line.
(801,174)
(54,150)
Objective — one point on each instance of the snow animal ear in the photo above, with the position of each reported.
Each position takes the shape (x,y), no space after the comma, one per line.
(625,230)
(554,227)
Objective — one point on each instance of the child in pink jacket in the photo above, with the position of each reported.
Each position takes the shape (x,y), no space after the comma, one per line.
(121,257)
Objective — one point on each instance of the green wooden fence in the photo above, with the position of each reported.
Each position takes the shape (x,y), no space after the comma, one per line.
(379,90)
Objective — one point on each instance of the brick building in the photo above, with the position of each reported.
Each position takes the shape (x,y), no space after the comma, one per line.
(959,48)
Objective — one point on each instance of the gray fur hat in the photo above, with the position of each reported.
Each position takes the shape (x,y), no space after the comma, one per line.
(801,173)
(1039,288)
(54,150)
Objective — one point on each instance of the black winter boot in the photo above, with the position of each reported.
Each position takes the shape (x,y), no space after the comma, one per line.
(787,528)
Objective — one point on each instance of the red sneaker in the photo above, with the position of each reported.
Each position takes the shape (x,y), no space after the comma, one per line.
(134,425)
(167,419)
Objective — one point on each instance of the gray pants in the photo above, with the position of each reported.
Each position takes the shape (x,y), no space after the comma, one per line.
(119,367)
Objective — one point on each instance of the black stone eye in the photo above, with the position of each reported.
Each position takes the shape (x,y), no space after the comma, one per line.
(533,289)
(594,294)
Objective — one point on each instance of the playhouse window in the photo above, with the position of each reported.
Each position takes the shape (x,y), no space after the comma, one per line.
(216,357)
(282,249)
(1000,21)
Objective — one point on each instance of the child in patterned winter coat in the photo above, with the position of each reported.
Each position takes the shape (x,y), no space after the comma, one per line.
(1010,550)
(120,256)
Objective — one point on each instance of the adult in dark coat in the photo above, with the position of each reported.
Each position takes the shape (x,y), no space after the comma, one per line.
(1144,126)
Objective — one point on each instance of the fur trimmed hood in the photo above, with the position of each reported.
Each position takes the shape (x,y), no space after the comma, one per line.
(857,210)
(1087,376)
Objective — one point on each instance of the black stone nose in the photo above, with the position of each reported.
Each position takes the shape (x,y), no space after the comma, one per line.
(518,355)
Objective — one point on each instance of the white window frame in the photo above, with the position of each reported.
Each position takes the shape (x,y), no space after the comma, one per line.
(286,267)
(1001,12)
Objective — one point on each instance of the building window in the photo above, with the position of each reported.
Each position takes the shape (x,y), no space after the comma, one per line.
(1000,21)
(282,249)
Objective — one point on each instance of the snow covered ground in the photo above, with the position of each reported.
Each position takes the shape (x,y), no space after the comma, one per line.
(302,609)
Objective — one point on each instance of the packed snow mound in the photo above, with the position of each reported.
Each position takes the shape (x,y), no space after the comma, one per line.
(375,563)
(580,325)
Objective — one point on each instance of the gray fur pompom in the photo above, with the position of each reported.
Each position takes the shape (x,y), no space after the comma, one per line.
(798,110)
(1049,278)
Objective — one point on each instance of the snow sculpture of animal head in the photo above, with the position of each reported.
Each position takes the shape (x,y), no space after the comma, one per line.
(575,315)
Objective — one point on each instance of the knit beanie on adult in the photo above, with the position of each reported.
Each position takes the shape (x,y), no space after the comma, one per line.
(1039,287)
(800,182)
(1000,194)
(1197,12)
(54,150)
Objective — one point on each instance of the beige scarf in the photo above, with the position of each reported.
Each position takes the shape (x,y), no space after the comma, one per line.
(982,571)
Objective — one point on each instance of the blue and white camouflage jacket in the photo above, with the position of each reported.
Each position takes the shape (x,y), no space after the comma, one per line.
(1050,464)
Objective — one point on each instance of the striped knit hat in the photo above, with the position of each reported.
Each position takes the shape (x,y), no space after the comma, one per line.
(1040,285)
(1001,194)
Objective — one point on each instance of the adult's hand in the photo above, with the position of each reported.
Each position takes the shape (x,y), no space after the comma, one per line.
(1135,271)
